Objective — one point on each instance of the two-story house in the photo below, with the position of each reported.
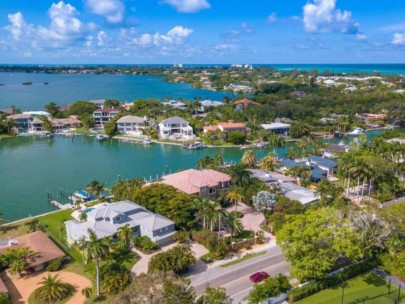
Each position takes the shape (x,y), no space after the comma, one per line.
(204,182)
(130,124)
(107,218)
(175,128)
(102,116)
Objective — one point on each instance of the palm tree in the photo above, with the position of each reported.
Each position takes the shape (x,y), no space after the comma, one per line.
(276,141)
(304,144)
(269,162)
(234,223)
(234,195)
(240,176)
(249,158)
(51,289)
(96,248)
(96,188)
(124,233)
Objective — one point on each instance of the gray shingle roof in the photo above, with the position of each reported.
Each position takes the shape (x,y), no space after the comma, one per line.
(174,120)
(131,119)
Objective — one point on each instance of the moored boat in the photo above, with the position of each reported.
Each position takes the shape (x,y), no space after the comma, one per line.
(194,146)
(356,131)
(101,137)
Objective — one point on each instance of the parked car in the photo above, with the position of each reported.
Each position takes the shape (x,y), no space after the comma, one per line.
(259,276)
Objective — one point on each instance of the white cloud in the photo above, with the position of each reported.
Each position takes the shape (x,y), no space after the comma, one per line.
(244,30)
(361,36)
(101,38)
(176,35)
(399,39)
(18,27)
(189,6)
(112,10)
(64,25)
(322,16)
(395,27)
(272,18)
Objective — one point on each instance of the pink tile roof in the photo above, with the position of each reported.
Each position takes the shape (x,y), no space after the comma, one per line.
(191,181)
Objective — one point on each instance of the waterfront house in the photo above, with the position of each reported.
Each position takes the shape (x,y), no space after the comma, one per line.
(175,104)
(45,250)
(286,184)
(106,219)
(131,124)
(38,114)
(211,103)
(175,128)
(204,182)
(320,167)
(229,126)
(333,151)
(277,128)
(99,103)
(8,112)
(60,124)
(104,115)
(238,88)
(22,121)
(328,165)
(246,102)
(35,125)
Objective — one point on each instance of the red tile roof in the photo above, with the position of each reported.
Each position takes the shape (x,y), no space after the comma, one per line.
(191,181)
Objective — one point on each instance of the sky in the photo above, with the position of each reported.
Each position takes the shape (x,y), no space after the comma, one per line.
(202,31)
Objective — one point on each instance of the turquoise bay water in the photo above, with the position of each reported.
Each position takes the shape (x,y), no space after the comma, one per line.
(31,166)
(69,88)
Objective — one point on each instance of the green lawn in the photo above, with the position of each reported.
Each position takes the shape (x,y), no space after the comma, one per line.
(367,285)
(244,258)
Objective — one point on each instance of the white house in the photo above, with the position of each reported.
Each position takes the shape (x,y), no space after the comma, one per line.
(107,218)
(175,104)
(131,124)
(277,127)
(101,116)
(176,128)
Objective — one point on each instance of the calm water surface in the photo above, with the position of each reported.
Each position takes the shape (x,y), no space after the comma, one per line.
(31,166)
(69,88)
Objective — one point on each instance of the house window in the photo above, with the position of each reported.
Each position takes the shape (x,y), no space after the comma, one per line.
(118,218)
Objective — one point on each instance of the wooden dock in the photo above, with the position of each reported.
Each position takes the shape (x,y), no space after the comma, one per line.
(62,206)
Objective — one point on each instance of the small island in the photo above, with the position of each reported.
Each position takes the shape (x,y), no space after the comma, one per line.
(27,83)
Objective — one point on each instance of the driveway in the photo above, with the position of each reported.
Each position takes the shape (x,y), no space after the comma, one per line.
(251,219)
(21,288)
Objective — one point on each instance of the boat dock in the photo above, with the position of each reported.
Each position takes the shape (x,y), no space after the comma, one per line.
(62,206)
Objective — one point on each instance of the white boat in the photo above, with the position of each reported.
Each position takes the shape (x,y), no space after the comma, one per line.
(146,141)
(356,132)
(101,137)
(46,134)
(194,146)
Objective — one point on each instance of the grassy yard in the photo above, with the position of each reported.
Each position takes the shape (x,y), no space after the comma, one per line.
(244,258)
(367,285)
(13,229)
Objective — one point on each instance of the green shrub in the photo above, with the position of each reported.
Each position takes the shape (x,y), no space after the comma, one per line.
(238,214)
(237,137)
(200,236)
(144,244)
(207,258)
(54,265)
(181,237)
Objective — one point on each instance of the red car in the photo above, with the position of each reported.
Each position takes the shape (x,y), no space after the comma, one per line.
(259,276)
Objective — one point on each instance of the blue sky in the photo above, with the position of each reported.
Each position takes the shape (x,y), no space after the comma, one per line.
(202,31)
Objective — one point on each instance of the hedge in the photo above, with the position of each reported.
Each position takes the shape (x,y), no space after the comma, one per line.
(331,280)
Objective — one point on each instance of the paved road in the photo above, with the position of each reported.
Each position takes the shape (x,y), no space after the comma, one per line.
(235,279)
